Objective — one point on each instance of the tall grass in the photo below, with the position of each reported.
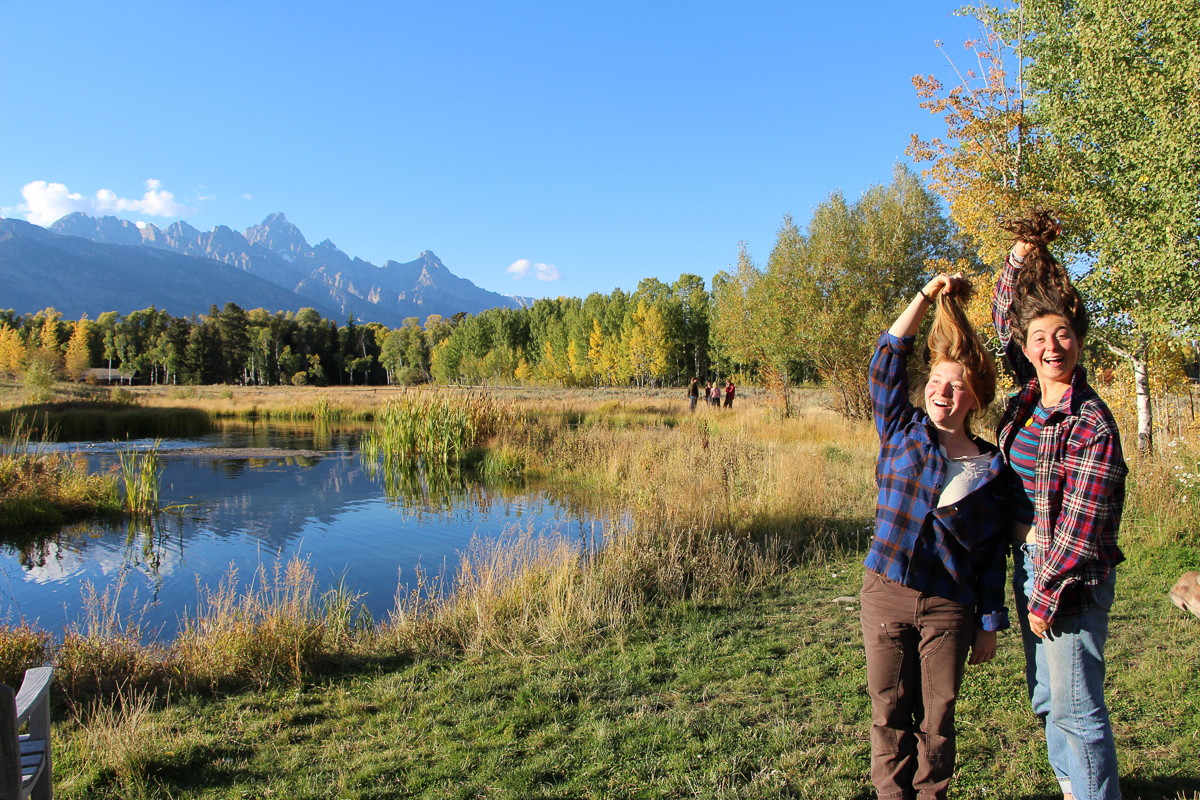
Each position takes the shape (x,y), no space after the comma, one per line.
(140,471)
(123,734)
(528,589)
(39,486)
(433,427)
(276,628)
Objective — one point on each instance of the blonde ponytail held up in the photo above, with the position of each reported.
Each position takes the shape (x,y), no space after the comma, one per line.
(951,338)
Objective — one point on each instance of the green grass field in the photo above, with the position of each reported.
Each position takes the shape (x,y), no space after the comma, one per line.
(758,697)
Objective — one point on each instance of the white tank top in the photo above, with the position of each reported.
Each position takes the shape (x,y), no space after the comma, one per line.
(963,476)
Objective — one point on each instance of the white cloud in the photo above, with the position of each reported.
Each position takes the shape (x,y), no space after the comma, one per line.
(543,272)
(46,202)
(247,197)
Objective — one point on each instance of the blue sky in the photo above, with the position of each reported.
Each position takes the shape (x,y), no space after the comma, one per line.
(604,141)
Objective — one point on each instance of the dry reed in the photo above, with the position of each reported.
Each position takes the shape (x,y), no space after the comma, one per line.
(122,734)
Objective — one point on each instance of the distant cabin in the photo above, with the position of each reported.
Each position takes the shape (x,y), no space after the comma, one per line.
(109,377)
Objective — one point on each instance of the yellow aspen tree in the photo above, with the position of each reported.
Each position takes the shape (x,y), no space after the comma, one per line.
(12,352)
(522,373)
(639,345)
(610,360)
(596,350)
(79,352)
(624,361)
(548,369)
(581,368)
(993,164)
(658,346)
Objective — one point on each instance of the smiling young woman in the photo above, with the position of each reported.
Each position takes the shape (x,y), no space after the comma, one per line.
(933,590)
(1067,473)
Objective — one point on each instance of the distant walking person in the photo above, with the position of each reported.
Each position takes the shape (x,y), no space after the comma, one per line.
(728,394)
(693,395)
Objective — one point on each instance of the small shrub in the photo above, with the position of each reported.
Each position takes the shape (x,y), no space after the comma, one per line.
(21,648)
(505,463)
(117,394)
(300,378)
(41,378)
(413,377)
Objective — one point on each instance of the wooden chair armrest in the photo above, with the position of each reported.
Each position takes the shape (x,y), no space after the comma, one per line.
(35,690)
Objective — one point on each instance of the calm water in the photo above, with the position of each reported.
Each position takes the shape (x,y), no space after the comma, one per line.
(247,507)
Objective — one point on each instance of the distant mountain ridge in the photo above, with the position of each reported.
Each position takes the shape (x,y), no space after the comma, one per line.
(77,276)
(274,252)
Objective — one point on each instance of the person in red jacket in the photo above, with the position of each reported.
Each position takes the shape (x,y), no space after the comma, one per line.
(729,394)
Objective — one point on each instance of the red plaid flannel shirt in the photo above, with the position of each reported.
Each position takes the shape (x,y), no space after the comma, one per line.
(1079,478)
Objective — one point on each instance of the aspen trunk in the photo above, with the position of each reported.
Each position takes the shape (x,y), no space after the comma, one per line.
(1141,382)
(1140,359)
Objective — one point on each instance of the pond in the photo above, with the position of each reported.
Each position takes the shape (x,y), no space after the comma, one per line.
(260,494)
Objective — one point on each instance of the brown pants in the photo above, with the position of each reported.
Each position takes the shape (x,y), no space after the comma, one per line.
(917,647)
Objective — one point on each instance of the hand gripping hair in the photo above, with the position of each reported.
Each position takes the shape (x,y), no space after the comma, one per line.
(1043,285)
(951,338)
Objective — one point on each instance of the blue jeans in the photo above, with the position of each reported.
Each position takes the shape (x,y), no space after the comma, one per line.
(1065,673)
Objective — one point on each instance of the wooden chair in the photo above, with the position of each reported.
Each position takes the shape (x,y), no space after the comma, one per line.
(25,758)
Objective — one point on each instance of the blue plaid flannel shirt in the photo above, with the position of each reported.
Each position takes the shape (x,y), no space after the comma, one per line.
(957,552)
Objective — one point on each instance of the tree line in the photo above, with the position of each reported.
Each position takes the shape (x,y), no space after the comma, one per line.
(657,335)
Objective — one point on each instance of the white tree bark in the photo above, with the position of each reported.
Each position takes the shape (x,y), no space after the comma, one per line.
(1139,358)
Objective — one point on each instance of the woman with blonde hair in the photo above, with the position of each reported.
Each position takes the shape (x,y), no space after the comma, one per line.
(933,590)
(1068,472)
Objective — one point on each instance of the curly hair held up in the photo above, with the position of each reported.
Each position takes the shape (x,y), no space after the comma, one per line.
(1043,286)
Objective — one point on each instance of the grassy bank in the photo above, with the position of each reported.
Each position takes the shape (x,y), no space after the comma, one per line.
(755,696)
(701,652)
(43,487)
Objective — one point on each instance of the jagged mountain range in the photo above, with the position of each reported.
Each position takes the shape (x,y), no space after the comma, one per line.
(82,264)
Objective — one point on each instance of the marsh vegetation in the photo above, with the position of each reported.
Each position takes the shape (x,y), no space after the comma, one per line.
(590,671)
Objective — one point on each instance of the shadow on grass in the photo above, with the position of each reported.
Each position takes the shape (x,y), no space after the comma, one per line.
(1154,787)
(1167,787)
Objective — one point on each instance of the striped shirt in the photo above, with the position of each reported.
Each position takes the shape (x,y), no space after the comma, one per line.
(1023,460)
(1079,477)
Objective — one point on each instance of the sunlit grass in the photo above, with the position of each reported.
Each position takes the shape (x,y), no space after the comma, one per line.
(39,486)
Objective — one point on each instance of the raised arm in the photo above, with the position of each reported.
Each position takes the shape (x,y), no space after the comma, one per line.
(1002,300)
(910,318)
(889,371)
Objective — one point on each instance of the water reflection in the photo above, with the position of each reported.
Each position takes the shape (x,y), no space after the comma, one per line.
(259,493)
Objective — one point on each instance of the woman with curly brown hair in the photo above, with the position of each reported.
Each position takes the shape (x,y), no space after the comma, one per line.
(1068,476)
(933,590)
